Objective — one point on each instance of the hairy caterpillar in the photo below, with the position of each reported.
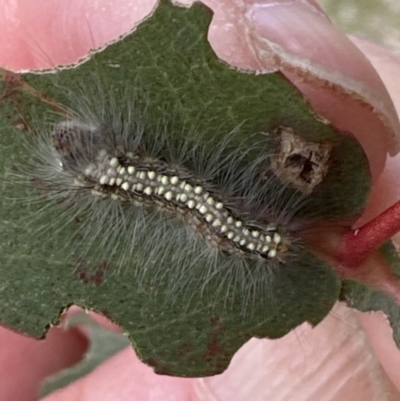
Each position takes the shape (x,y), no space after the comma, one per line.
(150,183)
(179,206)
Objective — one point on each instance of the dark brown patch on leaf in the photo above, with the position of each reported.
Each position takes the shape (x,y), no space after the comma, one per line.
(95,278)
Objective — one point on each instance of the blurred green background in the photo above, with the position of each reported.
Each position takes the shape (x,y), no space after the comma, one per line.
(374,20)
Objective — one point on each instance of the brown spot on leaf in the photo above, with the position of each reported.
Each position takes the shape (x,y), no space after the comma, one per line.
(184,349)
(213,347)
(299,163)
(87,277)
(12,83)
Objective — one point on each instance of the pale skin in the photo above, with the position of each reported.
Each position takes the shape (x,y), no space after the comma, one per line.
(349,356)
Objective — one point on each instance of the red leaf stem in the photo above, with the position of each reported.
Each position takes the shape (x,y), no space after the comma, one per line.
(356,245)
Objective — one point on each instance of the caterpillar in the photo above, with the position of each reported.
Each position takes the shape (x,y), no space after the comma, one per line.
(148,182)
(184,206)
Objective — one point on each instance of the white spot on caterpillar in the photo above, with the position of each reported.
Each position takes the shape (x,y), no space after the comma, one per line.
(210,200)
(209,217)
(202,209)
(168,195)
(114,162)
(216,223)
(188,188)
(103,180)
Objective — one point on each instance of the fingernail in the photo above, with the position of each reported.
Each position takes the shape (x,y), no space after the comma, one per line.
(287,23)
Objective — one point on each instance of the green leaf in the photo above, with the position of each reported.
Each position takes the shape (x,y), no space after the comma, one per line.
(169,61)
(103,344)
(367,299)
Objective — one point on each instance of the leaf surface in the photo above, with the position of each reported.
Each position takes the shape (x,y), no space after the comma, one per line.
(170,65)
